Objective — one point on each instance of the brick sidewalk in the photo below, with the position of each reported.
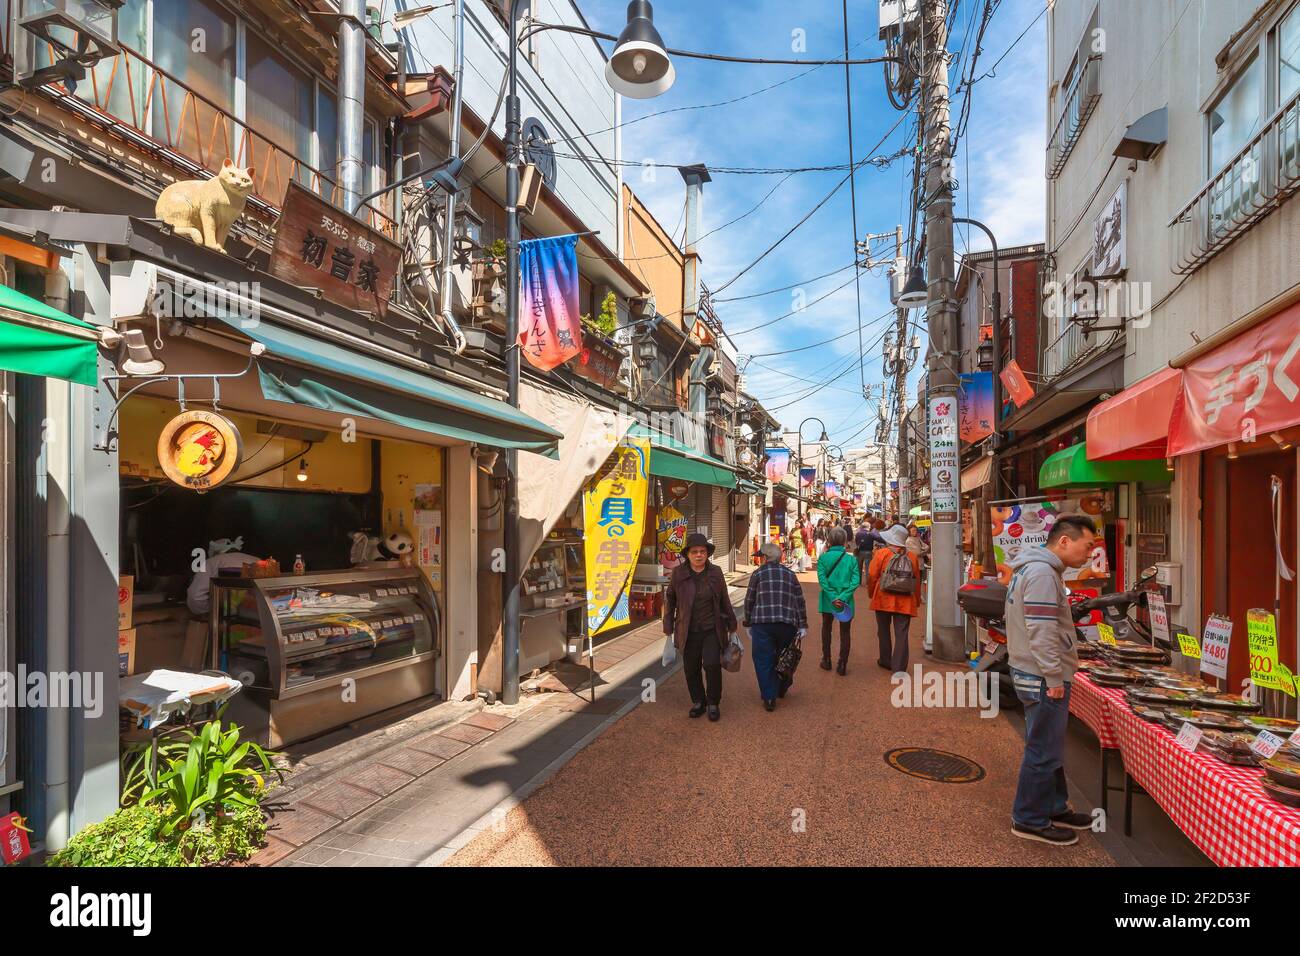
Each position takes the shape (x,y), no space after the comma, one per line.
(408,804)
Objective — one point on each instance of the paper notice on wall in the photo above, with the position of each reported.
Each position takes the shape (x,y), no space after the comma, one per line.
(428,544)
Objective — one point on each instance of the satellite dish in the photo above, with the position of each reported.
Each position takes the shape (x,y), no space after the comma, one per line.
(538,149)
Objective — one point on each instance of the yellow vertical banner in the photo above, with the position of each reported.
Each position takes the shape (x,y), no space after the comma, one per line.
(613,513)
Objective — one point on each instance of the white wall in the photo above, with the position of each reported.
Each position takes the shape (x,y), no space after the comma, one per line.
(566,91)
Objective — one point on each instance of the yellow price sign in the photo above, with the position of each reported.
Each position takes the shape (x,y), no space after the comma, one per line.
(1189,647)
(1106,633)
(1261,634)
(1289,683)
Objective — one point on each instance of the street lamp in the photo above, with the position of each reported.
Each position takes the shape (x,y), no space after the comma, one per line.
(639,68)
(915,294)
(798,478)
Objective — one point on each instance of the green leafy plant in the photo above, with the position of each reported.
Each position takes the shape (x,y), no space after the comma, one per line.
(218,772)
(497,249)
(137,836)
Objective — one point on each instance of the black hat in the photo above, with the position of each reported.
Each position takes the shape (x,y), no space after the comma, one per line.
(698,540)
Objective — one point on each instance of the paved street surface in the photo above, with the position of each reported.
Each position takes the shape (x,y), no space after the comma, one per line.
(660,789)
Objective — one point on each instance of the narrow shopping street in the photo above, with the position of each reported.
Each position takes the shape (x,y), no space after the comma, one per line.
(660,789)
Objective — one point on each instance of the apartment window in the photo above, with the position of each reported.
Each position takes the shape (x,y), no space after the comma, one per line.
(1236,117)
(1288,55)
(280,107)
(194,42)
(1080,88)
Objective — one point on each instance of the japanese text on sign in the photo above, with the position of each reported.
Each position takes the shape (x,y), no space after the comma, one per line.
(1214,646)
(945,459)
(1261,638)
(614,520)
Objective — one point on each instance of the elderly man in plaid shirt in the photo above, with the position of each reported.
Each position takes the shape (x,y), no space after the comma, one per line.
(775,615)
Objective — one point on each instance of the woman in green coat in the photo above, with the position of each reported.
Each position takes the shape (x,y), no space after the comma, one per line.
(839,577)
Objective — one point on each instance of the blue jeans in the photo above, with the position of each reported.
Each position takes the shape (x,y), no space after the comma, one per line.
(767,641)
(1041,792)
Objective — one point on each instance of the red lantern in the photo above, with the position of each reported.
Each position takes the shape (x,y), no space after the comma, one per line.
(13,839)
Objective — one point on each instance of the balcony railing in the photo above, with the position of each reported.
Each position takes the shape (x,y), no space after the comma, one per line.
(1080,101)
(144,105)
(1248,187)
(1069,349)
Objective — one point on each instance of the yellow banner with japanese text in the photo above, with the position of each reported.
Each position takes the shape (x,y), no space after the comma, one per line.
(613,513)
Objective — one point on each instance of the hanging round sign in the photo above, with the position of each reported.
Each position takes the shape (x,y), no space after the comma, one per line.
(677,490)
(199,450)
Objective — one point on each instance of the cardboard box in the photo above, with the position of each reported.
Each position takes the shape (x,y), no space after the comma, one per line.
(126,652)
(125,597)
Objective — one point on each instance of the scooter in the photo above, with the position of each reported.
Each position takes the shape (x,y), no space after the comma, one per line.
(985,600)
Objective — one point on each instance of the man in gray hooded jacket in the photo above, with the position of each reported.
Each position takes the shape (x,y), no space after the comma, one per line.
(1040,650)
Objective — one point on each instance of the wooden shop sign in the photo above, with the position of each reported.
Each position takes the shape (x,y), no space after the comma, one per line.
(199,450)
(318,246)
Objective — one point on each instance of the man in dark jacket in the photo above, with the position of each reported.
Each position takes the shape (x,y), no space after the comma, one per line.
(700,619)
(865,542)
(1042,658)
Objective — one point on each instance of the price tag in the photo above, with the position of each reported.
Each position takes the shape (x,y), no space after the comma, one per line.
(1106,633)
(1187,644)
(1288,678)
(1261,635)
(1189,736)
(1266,744)
(1160,617)
(1214,646)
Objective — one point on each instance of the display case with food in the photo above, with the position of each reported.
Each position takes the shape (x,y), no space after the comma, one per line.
(1280,726)
(294,640)
(1157,696)
(1214,700)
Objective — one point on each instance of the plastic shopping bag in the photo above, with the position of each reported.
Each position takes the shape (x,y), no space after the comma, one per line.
(670,652)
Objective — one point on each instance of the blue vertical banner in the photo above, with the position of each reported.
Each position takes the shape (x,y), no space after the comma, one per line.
(550,325)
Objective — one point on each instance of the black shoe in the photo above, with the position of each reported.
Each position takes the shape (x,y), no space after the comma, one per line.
(1057,836)
(842,669)
(1073,820)
(826,663)
(696,711)
(769,705)
(714,713)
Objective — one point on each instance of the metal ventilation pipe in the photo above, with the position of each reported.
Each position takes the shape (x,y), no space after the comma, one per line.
(695,176)
(449,224)
(352,101)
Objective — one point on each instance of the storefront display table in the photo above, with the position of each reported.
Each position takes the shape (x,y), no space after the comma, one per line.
(1221,808)
(1090,706)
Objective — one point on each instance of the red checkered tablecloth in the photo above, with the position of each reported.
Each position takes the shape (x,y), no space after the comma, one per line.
(1088,704)
(1221,808)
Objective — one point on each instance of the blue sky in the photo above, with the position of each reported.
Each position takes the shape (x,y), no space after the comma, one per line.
(803,123)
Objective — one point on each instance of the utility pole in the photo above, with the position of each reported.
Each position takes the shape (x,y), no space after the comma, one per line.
(949,638)
(900,392)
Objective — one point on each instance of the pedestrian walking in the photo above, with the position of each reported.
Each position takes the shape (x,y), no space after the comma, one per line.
(809,544)
(837,573)
(865,542)
(894,583)
(819,539)
(1040,650)
(775,615)
(797,548)
(699,617)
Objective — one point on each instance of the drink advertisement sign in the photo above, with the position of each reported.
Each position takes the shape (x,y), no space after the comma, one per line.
(1017,527)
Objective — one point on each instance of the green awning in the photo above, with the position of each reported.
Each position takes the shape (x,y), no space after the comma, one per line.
(356,384)
(670,458)
(1071,467)
(749,488)
(37,339)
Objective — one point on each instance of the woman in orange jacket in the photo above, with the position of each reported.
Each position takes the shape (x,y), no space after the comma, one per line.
(894,611)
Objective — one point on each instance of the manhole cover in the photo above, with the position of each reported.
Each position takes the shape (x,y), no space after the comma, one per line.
(937,765)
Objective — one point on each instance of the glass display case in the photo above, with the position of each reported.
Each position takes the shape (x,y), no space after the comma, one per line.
(288,636)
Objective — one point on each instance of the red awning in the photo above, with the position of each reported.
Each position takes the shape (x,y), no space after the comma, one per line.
(1246,387)
(1134,424)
